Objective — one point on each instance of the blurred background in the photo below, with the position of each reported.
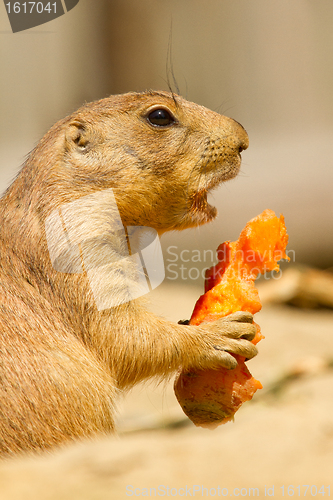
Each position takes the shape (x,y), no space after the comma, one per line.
(269,65)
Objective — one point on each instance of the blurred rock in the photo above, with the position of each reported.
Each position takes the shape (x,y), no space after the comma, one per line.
(304,287)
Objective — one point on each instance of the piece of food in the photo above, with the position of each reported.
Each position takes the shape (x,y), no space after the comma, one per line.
(212,397)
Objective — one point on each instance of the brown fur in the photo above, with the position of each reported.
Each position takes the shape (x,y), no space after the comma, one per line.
(62,361)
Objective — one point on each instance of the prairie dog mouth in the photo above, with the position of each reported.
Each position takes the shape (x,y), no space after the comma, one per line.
(217,176)
(200,208)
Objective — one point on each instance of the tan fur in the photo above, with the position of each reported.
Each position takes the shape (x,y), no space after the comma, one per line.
(62,361)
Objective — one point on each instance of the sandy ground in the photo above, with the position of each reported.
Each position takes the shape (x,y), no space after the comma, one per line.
(280,439)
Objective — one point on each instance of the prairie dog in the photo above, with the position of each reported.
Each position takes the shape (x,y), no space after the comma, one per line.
(62,359)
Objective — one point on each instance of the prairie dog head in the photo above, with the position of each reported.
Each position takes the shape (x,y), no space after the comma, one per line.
(159,153)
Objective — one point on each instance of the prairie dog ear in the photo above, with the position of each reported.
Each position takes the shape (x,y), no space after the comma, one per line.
(78,136)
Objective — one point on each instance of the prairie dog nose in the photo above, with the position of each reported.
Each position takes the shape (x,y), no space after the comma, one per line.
(234,133)
(241,135)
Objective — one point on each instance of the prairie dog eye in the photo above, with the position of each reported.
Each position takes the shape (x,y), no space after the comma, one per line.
(160,118)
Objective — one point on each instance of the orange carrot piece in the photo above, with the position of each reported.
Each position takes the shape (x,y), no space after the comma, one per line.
(212,397)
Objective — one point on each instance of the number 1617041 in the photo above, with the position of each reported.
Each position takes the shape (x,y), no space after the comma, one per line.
(30,7)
